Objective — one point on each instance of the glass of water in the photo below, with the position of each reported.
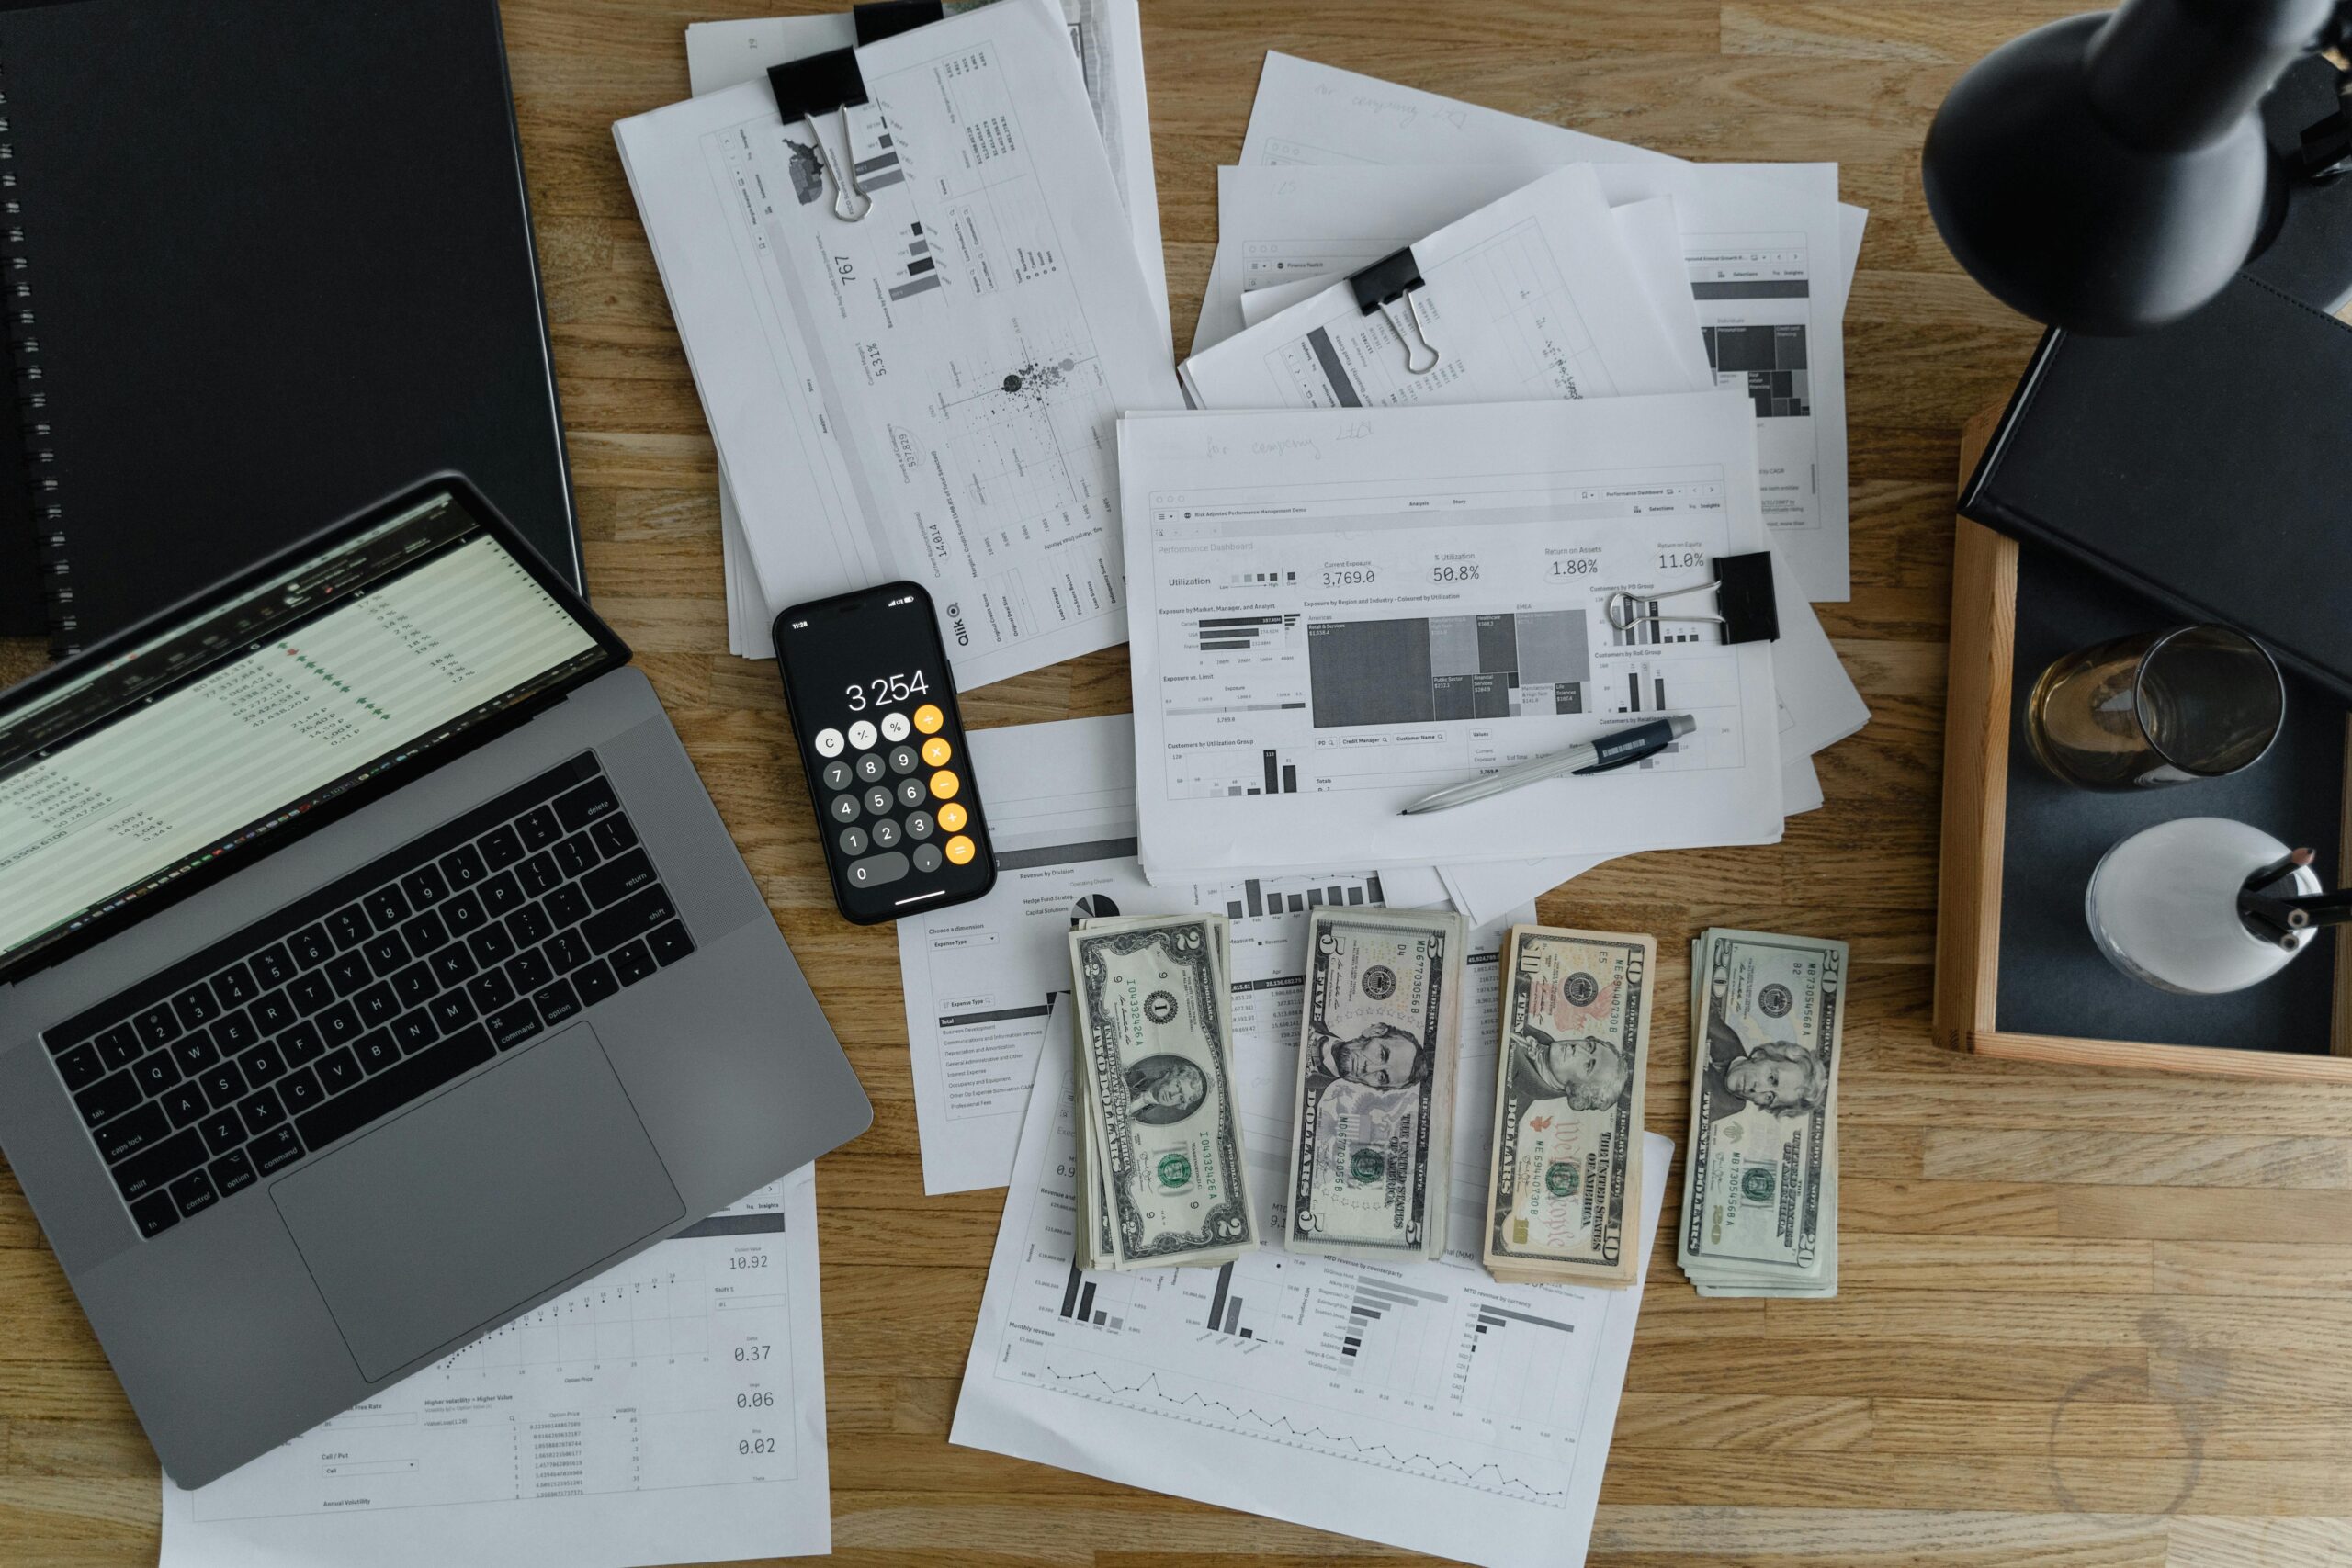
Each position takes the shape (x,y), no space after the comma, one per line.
(2159,708)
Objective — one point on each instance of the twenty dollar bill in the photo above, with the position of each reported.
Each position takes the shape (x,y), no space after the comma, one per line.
(1566,1153)
(1760,1202)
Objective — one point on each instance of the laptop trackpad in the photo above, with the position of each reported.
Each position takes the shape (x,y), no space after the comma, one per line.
(448,1218)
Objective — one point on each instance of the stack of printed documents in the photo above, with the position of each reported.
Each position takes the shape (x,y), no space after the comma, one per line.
(1107,36)
(1404,577)
(928,392)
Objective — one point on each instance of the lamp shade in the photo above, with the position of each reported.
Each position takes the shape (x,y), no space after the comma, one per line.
(2108,173)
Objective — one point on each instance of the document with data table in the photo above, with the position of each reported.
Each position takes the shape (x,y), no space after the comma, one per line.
(1106,36)
(671,1410)
(929,392)
(1337,612)
(1417,1403)
(1770,287)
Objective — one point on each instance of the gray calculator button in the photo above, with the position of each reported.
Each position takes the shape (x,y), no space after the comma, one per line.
(844,808)
(928,859)
(877,801)
(875,870)
(911,791)
(869,767)
(852,840)
(918,826)
(903,759)
(886,834)
(836,776)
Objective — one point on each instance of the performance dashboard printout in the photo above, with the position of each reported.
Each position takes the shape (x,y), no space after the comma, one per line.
(1336,611)
(930,392)
(1773,296)
(1533,296)
(1107,38)
(671,1410)
(1420,1405)
(978,977)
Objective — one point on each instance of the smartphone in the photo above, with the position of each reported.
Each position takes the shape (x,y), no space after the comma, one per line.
(882,742)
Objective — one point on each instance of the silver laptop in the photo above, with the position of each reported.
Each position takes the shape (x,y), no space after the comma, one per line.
(373,967)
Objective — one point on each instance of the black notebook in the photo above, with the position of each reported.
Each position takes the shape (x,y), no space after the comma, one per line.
(270,261)
(2202,465)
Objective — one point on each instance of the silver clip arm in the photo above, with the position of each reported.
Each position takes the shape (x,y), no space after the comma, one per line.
(1620,607)
(850,200)
(1416,342)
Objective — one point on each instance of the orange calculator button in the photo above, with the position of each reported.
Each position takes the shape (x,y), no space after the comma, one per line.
(928,718)
(943,785)
(935,751)
(952,817)
(960,850)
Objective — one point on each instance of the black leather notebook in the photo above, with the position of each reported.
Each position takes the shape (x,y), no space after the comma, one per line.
(2203,465)
(270,261)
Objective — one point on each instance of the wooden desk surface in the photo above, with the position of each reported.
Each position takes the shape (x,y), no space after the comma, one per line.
(2088,1318)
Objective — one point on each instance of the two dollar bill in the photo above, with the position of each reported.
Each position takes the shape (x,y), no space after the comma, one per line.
(1161,1179)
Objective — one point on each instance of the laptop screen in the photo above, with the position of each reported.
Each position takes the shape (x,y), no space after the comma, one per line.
(235,722)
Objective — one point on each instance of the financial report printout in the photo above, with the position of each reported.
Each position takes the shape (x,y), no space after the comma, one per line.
(929,392)
(1336,611)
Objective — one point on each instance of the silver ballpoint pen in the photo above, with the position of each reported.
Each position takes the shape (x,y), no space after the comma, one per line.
(1626,746)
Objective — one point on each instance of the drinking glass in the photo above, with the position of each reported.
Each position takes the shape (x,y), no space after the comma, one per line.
(2159,708)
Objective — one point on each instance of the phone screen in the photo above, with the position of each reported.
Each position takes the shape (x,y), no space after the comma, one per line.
(874,711)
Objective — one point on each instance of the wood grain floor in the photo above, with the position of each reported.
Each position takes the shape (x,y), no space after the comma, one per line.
(2089,1319)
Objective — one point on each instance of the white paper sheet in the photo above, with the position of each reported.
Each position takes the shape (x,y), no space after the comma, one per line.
(1419,1405)
(1761,256)
(1819,703)
(1652,238)
(1107,36)
(1275,227)
(1307,585)
(976,977)
(672,1410)
(1533,296)
(1482,892)
(929,392)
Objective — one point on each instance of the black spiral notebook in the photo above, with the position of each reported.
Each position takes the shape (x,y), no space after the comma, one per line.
(268,261)
(2202,466)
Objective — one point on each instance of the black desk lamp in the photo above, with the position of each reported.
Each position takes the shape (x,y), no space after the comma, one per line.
(2108,174)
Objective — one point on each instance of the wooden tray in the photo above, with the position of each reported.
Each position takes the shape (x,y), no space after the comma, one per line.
(2297,1026)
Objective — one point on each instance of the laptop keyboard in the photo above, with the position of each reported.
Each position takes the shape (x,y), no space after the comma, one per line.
(339,1009)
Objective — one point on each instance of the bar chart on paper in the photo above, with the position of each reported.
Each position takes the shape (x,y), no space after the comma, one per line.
(1235,771)
(1262,896)
(1436,1373)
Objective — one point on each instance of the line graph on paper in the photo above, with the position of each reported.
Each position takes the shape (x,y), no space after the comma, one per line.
(1404,1373)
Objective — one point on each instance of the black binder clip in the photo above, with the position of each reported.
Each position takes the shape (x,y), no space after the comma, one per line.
(826,83)
(1380,286)
(1743,591)
(879,20)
